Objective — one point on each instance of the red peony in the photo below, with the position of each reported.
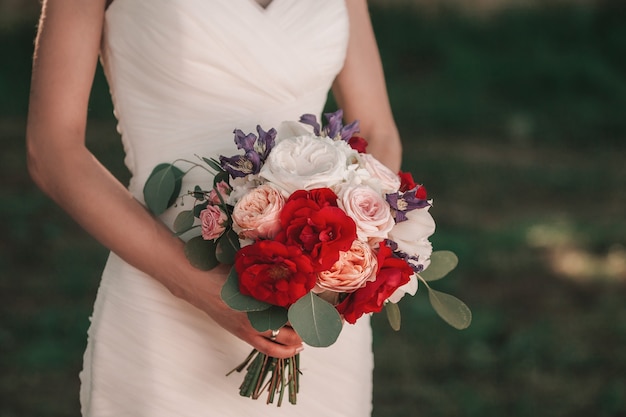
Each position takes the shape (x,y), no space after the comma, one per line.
(358,144)
(311,221)
(273,272)
(406,181)
(392,273)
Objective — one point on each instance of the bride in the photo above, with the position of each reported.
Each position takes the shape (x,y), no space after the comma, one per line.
(183,74)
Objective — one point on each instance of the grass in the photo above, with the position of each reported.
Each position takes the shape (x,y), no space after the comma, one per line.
(515,126)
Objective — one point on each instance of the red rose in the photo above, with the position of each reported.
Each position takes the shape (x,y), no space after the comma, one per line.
(406,181)
(273,272)
(392,273)
(421,192)
(321,197)
(358,144)
(310,221)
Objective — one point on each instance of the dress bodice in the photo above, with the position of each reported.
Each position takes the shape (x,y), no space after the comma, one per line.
(184,73)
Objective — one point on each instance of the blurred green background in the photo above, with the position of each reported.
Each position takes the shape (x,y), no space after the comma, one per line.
(512,115)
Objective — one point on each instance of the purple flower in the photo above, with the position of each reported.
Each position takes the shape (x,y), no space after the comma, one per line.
(311,120)
(335,123)
(334,128)
(402,203)
(349,130)
(243,141)
(241,165)
(265,143)
(256,150)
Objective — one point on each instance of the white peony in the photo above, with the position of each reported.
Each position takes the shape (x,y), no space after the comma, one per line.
(308,162)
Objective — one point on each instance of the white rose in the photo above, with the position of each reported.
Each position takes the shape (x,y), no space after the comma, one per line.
(383,178)
(412,234)
(242,186)
(307,162)
(369,210)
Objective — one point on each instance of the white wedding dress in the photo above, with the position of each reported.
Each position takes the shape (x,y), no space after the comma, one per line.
(183,75)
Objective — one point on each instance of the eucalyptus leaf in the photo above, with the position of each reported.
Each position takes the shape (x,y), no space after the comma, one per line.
(452,310)
(441,263)
(227,247)
(178,184)
(272,318)
(160,189)
(184,221)
(316,321)
(201,253)
(393,315)
(236,300)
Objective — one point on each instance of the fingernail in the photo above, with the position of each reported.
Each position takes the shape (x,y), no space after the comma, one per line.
(300,349)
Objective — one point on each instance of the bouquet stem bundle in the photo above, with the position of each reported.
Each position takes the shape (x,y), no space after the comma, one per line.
(274,375)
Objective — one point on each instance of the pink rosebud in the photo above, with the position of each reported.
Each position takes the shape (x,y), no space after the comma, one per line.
(223,189)
(213,221)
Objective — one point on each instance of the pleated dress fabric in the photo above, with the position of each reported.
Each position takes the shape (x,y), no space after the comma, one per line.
(183,75)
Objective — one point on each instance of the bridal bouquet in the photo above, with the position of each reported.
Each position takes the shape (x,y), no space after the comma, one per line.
(318,232)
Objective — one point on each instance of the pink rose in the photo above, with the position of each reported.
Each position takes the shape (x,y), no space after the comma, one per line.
(352,271)
(369,210)
(385,179)
(213,221)
(223,189)
(256,214)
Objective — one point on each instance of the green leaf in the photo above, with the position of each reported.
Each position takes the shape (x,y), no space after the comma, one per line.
(219,177)
(316,321)
(213,164)
(272,318)
(184,221)
(393,315)
(452,310)
(441,262)
(236,300)
(227,247)
(197,209)
(162,187)
(198,193)
(201,253)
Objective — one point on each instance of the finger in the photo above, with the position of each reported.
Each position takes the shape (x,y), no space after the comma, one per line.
(276,350)
(285,336)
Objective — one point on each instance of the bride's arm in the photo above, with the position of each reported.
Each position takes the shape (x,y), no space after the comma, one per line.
(66,55)
(361,92)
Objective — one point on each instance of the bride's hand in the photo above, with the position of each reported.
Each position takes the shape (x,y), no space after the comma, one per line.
(205,295)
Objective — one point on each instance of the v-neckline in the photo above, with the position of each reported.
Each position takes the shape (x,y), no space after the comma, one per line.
(261,8)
